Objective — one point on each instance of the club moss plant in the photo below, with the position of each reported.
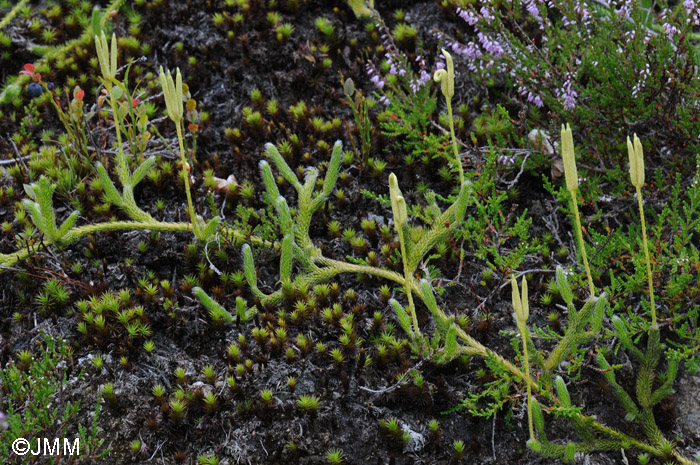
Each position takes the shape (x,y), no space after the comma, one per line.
(583,325)
(40,202)
(297,246)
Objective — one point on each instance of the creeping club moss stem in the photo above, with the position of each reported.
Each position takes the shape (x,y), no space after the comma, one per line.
(654,324)
(74,234)
(343,267)
(475,348)
(13,12)
(8,260)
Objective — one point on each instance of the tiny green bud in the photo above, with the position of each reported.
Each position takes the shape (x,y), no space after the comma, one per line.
(446,77)
(398,204)
(567,153)
(562,392)
(522,309)
(107,57)
(636,156)
(172,91)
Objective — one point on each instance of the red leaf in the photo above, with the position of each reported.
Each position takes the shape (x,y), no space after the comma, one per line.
(80,94)
(29,68)
(134,102)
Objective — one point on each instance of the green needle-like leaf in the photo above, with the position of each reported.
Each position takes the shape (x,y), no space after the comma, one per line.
(110,190)
(333,169)
(216,311)
(67,225)
(142,170)
(403,318)
(269,180)
(249,272)
(284,169)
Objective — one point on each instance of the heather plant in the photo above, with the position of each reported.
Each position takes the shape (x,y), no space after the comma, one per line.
(595,65)
(410,102)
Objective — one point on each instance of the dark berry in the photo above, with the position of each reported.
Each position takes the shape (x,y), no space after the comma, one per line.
(34,89)
(50,86)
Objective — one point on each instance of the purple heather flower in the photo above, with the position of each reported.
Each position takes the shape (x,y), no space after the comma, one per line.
(671,30)
(531,8)
(486,13)
(505,159)
(384,100)
(377,81)
(569,95)
(424,77)
(624,9)
(468,16)
(641,81)
(491,46)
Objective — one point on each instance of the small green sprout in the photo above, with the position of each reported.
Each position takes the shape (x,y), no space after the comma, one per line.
(308,403)
(266,397)
(158,392)
(211,402)
(325,27)
(180,376)
(177,410)
(135,446)
(335,457)
(109,395)
(209,374)
(459,449)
